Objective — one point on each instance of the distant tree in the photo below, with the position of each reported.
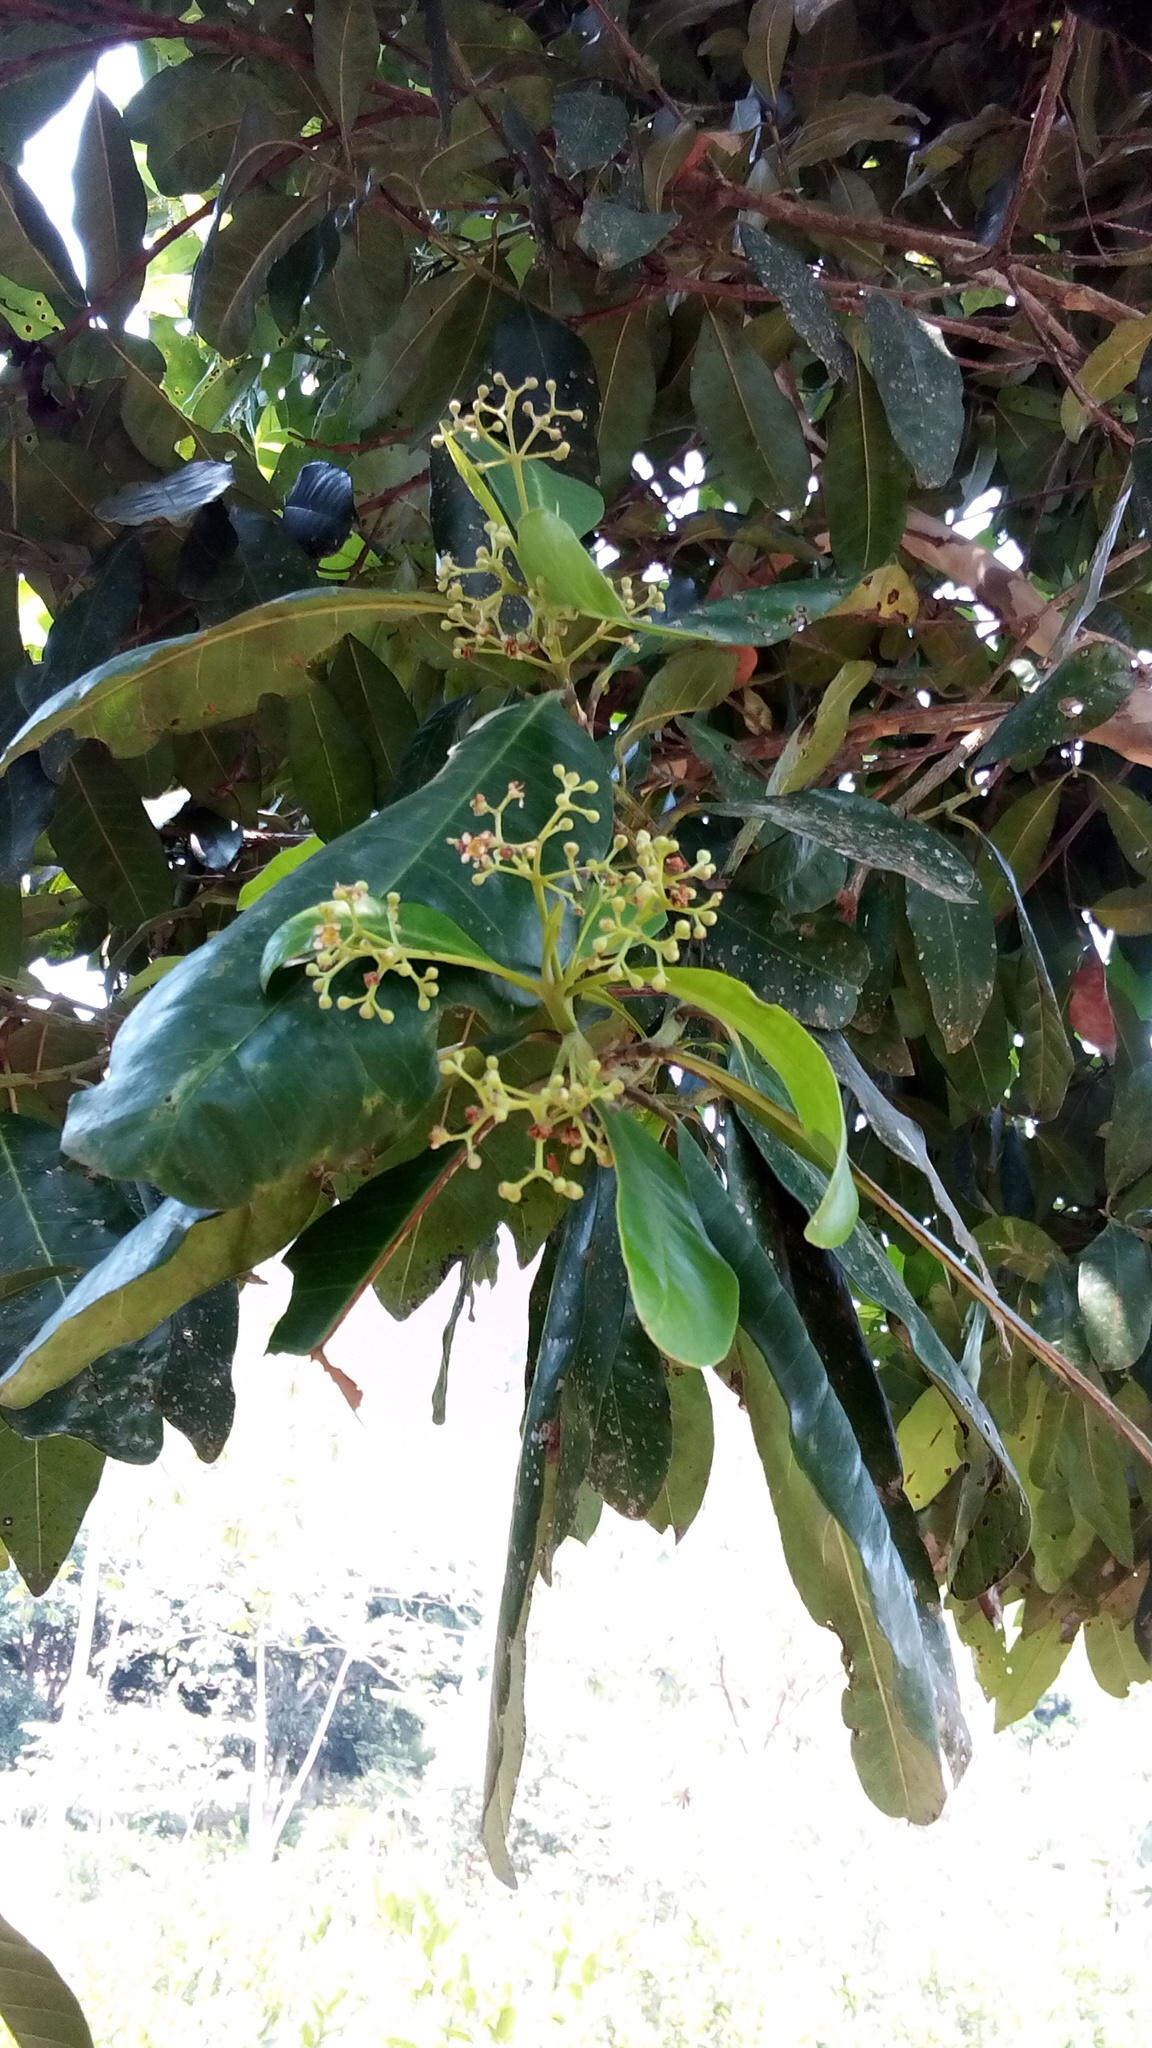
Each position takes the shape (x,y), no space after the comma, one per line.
(631,574)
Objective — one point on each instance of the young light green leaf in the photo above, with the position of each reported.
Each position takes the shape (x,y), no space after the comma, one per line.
(281,864)
(922,387)
(427,934)
(1108,371)
(810,751)
(686,1480)
(554,562)
(685,1293)
(749,425)
(36,2004)
(865,480)
(794,1055)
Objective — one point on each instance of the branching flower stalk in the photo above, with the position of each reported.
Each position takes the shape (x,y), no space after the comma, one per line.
(603,923)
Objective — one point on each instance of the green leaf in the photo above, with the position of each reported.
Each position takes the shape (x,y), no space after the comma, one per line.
(692,679)
(686,1480)
(1128,1135)
(783,271)
(1021,834)
(546,486)
(104,838)
(812,749)
(931,1447)
(426,933)
(332,771)
(865,480)
(175,1254)
(626,374)
(553,561)
(888,1704)
(802,1065)
(1131,820)
(187,116)
(1078,696)
(579,1322)
(1113,1654)
(590,126)
(956,950)
(215,1090)
(863,830)
(54,1223)
(1095,1464)
(922,387)
(616,235)
(1046,1060)
(341,1254)
(203,679)
(757,618)
(232,272)
(820,988)
(45,1491)
(35,2003)
(375,705)
(283,863)
(685,1293)
(1127,911)
(171,497)
(632,1443)
(399,355)
(111,213)
(345,48)
(1114,1288)
(1110,368)
(749,425)
(32,252)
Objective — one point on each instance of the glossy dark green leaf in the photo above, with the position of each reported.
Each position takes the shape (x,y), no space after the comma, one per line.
(783,271)
(685,1293)
(681,1496)
(865,480)
(921,385)
(196,1392)
(888,1704)
(1114,1287)
(345,47)
(171,497)
(622,353)
(233,270)
(632,1444)
(576,1326)
(205,679)
(215,1089)
(528,342)
(187,116)
(981,1071)
(591,127)
(53,1219)
(757,946)
(956,950)
(174,1254)
(342,1252)
(866,831)
(1079,695)
(104,838)
(616,235)
(111,212)
(45,1491)
(332,770)
(36,2005)
(750,427)
(759,618)
(27,801)
(32,251)
(375,706)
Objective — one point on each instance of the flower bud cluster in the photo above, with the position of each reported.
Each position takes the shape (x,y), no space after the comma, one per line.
(355,926)
(562,1117)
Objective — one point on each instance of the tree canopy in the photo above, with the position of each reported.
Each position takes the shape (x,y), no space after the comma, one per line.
(572,596)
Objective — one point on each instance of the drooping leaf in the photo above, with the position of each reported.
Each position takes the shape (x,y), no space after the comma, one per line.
(956,950)
(921,385)
(203,679)
(214,1089)
(685,1293)
(804,1069)
(339,1256)
(376,707)
(865,481)
(685,1482)
(1022,834)
(36,2005)
(632,1443)
(1114,1287)
(749,425)
(111,214)
(32,251)
(866,831)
